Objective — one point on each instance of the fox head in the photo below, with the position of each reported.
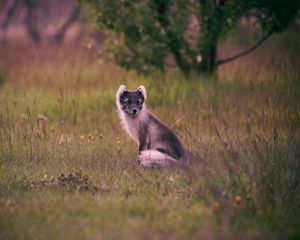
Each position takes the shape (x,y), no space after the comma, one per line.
(131,102)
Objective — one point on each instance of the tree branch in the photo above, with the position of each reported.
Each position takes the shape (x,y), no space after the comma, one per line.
(59,36)
(6,13)
(173,40)
(251,49)
(31,20)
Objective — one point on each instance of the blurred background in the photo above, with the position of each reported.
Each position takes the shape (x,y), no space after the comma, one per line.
(193,36)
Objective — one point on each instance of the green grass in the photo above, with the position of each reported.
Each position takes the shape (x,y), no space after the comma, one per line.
(244,126)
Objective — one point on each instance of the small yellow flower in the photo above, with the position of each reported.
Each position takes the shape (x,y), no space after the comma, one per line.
(95,132)
(237,198)
(249,196)
(52,129)
(118,142)
(91,136)
(82,137)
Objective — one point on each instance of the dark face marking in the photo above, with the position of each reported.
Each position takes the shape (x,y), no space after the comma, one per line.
(132,102)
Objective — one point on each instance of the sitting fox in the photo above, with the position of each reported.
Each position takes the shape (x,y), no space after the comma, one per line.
(158,145)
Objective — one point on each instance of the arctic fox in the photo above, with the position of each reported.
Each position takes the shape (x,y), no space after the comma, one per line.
(158,145)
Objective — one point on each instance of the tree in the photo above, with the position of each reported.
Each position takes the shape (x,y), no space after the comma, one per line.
(147,31)
(33,11)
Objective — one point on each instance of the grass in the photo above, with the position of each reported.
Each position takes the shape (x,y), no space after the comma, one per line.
(245,128)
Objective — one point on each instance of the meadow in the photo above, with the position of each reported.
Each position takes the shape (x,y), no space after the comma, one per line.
(67,168)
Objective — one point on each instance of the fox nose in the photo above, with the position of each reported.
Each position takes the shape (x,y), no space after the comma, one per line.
(134,111)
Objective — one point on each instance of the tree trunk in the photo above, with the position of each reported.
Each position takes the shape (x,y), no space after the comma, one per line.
(206,62)
(31,20)
(174,42)
(59,36)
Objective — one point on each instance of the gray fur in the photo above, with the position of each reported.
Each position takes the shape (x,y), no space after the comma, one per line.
(158,145)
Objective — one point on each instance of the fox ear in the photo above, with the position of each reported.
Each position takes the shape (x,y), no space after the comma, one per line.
(122,89)
(142,90)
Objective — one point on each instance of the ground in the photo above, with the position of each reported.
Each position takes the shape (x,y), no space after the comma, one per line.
(73,175)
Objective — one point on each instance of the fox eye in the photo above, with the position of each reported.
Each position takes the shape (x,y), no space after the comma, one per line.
(140,101)
(126,100)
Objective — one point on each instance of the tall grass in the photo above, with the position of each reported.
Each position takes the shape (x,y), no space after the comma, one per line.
(244,127)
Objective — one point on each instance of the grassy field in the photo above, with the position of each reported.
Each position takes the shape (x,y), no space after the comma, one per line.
(74,176)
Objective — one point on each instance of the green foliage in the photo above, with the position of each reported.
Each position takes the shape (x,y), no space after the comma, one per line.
(146,32)
(274,16)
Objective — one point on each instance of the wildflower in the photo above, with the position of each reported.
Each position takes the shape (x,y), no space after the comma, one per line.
(237,198)
(90,136)
(249,196)
(171,179)
(82,137)
(52,129)
(118,142)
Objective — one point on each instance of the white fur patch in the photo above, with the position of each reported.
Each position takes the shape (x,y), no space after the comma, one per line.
(154,158)
(133,125)
(119,93)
